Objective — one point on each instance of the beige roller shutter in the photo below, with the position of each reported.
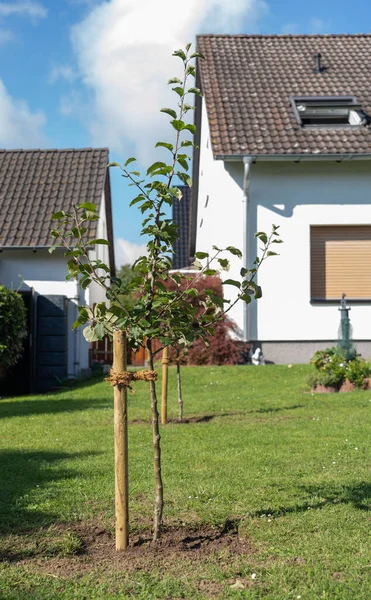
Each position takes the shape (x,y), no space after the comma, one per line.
(341,262)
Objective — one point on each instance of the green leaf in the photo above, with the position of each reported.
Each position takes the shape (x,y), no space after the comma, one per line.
(234,251)
(155,166)
(58,215)
(224,263)
(190,70)
(186,143)
(197,55)
(52,248)
(258,292)
(169,111)
(129,160)
(113,164)
(99,241)
(178,90)
(177,124)
(180,53)
(236,284)
(183,162)
(262,236)
(136,200)
(194,90)
(185,178)
(165,145)
(270,253)
(192,292)
(201,255)
(85,282)
(175,80)
(246,298)
(191,128)
(89,334)
(187,107)
(88,206)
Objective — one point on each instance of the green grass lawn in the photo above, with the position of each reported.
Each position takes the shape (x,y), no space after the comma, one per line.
(287,470)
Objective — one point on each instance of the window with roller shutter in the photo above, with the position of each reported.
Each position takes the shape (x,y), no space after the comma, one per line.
(341,262)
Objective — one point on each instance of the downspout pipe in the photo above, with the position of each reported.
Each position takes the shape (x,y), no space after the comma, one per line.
(246,251)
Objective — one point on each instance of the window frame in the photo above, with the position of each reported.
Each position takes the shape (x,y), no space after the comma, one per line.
(347,100)
(323,300)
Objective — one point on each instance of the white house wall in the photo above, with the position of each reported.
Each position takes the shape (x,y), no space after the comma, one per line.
(46,273)
(296,196)
(97,294)
(220,210)
(293,196)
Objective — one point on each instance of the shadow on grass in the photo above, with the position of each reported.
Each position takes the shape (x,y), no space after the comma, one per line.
(38,405)
(357,495)
(24,475)
(210,417)
(276,409)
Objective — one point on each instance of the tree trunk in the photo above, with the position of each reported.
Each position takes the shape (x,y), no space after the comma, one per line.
(121,445)
(159,497)
(180,399)
(165,362)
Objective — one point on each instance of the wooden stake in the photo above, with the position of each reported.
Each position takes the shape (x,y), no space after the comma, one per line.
(179,382)
(165,362)
(121,445)
(156,437)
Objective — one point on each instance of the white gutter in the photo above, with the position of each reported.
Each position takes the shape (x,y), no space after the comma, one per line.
(246,254)
(295,157)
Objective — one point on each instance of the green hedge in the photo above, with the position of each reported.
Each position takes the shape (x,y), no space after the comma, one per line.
(12,328)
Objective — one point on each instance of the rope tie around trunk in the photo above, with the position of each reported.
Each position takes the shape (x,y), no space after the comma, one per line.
(124,378)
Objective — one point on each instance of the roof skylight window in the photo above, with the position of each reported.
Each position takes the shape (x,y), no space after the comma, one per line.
(328,111)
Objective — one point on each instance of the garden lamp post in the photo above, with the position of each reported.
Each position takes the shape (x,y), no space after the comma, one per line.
(345,329)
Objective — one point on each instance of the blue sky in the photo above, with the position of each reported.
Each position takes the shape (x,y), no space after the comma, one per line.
(78,73)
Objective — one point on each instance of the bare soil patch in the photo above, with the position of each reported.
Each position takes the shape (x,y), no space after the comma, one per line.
(347,386)
(97,550)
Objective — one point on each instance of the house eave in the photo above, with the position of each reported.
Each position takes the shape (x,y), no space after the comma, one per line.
(293,157)
(33,248)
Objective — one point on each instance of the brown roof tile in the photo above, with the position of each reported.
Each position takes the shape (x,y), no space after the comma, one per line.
(34,184)
(248,80)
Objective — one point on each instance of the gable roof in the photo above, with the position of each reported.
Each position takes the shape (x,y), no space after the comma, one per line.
(248,80)
(181,214)
(34,184)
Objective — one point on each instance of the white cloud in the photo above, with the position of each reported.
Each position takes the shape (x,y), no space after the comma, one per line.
(27,8)
(19,126)
(290,28)
(64,72)
(6,36)
(317,26)
(124,47)
(127,252)
(312,26)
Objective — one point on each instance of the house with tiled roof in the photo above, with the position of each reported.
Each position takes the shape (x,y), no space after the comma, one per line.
(284,137)
(34,184)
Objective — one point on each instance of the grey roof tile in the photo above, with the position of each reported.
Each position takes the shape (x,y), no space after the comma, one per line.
(248,80)
(34,184)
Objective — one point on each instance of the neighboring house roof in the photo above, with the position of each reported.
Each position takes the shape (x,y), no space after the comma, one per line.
(34,184)
(248,81)
(181,215)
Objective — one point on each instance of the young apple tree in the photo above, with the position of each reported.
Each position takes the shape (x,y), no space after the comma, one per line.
(159,313)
